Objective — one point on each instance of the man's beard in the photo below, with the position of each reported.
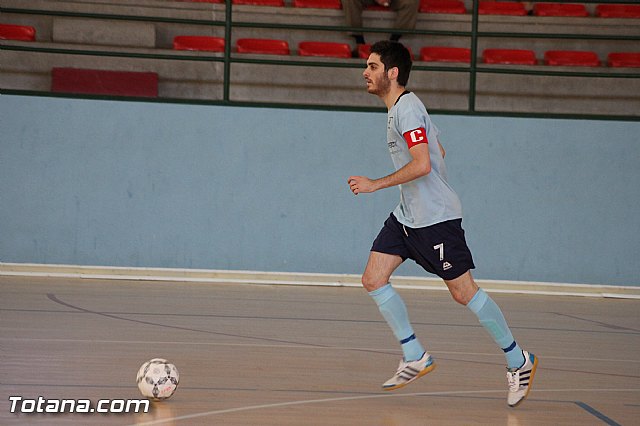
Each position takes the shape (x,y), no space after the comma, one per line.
(382,87)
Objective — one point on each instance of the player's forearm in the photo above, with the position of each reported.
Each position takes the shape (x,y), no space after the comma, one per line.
(411,171)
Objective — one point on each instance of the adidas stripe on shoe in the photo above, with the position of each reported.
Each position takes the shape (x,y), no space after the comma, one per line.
(409,371)
(521,379)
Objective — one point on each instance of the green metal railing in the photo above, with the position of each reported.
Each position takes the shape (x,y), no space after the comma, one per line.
(473,70)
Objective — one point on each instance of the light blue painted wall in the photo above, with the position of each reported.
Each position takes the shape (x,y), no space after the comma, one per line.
(165,185)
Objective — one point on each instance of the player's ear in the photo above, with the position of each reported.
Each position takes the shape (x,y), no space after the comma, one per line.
(392,73)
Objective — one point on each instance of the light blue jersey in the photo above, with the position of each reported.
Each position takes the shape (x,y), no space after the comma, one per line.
(429,199)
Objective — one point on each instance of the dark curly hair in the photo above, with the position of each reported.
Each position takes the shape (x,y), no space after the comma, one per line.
(394,54)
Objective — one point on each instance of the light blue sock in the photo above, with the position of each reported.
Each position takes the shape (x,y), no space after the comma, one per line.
(394,311)
(491,318)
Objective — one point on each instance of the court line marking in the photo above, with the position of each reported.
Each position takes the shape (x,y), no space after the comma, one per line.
(55,299)
(589,409)
(355,398)
(609,328)
(600,323)
(285,346)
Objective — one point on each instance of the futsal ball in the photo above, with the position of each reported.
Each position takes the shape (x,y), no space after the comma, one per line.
(158,379)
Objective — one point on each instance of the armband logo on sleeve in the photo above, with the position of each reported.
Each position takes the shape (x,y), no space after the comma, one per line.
(415,137)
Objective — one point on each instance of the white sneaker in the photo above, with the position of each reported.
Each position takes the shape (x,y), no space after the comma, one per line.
(409,371)
(521,379)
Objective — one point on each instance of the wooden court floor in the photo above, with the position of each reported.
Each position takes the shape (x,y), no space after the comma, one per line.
(292,355)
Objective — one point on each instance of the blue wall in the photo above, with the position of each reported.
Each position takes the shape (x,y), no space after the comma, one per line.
(164,185)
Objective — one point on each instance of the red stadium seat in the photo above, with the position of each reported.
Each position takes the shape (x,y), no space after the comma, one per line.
(618,10)
(574,58)
(624,59)
(211,44)
(101,82)
(318,4)
(275,3)
(501,8)
(323,48)
(265,46)
(509,56)
(364,50)
(17,32)
(442,6)
(560,9)
(445,54)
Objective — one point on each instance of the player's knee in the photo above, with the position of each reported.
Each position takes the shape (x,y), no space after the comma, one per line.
(371,283)
(459,297)
(462,288)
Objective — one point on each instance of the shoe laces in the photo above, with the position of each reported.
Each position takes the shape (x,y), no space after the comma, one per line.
(513,378)
(402,366)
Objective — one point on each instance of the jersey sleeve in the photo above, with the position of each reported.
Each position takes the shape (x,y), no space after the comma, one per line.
(411,124)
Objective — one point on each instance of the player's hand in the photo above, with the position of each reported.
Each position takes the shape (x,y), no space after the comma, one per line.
(385,3)
(359,184)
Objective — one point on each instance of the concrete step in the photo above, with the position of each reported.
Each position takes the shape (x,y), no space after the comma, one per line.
(301,279)
(106,32)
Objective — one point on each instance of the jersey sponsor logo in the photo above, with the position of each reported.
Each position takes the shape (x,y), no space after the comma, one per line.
(415,137)
(393,147)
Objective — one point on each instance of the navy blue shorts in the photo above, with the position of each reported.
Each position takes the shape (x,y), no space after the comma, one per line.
(440,249)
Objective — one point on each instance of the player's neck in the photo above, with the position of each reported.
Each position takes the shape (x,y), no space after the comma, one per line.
(392,95)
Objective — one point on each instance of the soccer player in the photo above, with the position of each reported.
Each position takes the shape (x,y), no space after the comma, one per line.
(425,227)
